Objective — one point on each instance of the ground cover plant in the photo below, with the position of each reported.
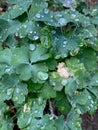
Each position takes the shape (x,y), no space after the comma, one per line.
(48,63)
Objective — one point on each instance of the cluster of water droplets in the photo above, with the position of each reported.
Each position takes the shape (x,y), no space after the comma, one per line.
(64,43)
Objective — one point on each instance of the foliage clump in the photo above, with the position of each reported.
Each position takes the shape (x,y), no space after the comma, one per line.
(48,64)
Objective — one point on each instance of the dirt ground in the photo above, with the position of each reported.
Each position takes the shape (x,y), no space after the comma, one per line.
(90,122)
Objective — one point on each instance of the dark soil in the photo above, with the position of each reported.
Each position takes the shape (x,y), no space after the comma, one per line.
(90,122)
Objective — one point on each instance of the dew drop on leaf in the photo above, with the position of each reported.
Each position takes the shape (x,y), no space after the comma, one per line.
(31,32)
(32,47)
(62,21)
(7,70)
(35,37)
(20,8)
(46,11)
(16,34)
(9,91)
(17,90)
(38,15)
(42,75)
(96,81)
(25,26)
(0,37)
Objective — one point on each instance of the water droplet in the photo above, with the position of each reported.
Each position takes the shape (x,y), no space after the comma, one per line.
(42,16)
(96,81)
(35,112)
(42,75)
(62,21)
(35,37)
(7,70)
(64,45)
(32,47)
(29,120)
(9,91)
(64,82)
(53,31)
(16,34)
(25,26)
(38,15)
(20,36)
(76,20)
(91,105)
(59,15)
(73,15)
(0,37)
(53,83)
(43,127)
(18,29)
(0,113)
(17,90)
(35,32)
(20,8)
(65,42)
(92,101)
(37,25)
(89,97)
(46,11)
(8,20)
(31,32)
(16,98)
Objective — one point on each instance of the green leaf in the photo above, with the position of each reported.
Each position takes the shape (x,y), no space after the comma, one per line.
(19,55)
(20,91)
(56,81)
(13,89)
(62,103)
(36,8)
(62,46)
(45,37)
(5,56)
(71,87)
(73,121)
(42,75)
(39,68)
(39,54)
(25,71)
(31,110)
(30,29)
(17,9)
(7,28)
(5,126)
(48,92)
(89,58)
